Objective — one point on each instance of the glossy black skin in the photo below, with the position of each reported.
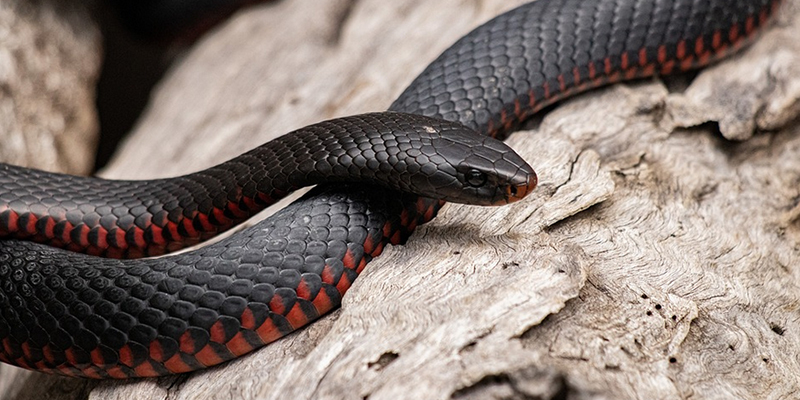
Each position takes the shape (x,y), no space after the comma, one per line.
(406,152)
(78,307)
(510,59)
(491,80)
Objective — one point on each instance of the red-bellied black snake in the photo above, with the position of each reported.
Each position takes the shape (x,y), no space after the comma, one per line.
(86,316)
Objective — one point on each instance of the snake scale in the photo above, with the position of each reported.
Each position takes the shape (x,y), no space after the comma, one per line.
(80,315)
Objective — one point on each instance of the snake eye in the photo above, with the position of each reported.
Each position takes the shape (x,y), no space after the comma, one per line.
(476,178)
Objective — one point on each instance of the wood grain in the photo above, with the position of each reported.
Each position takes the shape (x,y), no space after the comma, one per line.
(657,260)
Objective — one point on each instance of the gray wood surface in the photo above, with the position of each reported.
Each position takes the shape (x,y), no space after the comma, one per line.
(49,63)
(657,260)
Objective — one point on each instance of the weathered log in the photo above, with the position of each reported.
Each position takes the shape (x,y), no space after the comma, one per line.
(49,63)
(657,260)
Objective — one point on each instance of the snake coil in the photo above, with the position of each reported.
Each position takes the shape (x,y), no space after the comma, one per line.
(84,316)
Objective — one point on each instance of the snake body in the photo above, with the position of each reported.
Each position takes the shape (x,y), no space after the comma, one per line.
(129,219)
(93,317)
(84,316)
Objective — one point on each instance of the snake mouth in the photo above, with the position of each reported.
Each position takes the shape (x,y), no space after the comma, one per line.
(516,192)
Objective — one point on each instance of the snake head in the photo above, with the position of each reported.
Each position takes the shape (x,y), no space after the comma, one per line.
(426,156)
(503,180)
(458,165)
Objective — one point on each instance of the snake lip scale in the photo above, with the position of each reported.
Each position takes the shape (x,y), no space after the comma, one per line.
(78,315)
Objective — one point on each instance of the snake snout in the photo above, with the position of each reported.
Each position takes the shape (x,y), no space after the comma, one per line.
(517,178)
(521,187)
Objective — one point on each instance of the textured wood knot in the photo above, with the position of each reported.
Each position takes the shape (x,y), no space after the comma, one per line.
(526,383)
(777,329)
(383,361)
(511,264)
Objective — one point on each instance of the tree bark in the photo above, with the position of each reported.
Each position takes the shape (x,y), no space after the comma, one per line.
(657,260)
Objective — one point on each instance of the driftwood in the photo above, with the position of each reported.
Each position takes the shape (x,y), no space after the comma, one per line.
(657,260)
(49,63)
